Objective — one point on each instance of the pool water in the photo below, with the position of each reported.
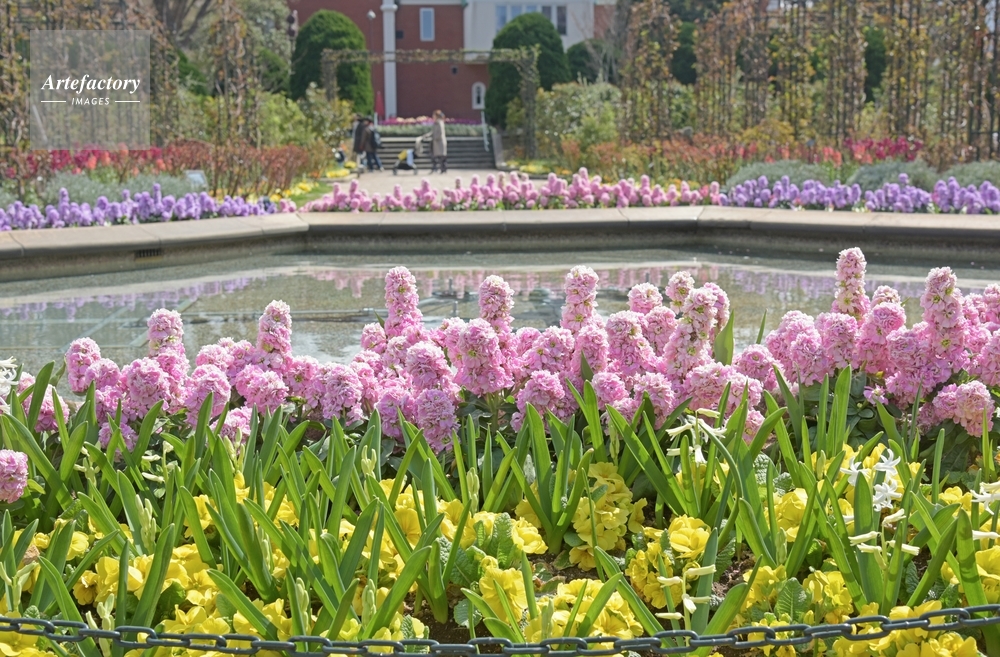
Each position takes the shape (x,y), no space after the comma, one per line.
(333,297)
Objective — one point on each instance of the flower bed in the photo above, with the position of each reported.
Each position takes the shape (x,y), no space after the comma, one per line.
(518,192)
(609,477)
(144,207)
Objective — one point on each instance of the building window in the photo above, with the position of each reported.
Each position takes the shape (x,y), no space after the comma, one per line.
(561,20)
(399,34)
(501,16)
(478,96)
(426,24)
(515,11)
(530,9)
(547,12)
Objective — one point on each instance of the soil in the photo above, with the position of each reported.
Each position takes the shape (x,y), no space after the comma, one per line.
(733,575)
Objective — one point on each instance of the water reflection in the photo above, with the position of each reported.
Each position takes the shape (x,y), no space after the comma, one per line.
(332,300)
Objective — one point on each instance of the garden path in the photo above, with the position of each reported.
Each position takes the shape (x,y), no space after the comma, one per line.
(382,182)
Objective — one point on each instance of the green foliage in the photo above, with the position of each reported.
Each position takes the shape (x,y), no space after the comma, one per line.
(583,62)
(283,122)
(581,113)
(274,72)
(873,176)
(797,172)
(682,65)
(974,173)
(334,31)
(875,60)
(329,121)
(190,76)
(505,82)
(691,11)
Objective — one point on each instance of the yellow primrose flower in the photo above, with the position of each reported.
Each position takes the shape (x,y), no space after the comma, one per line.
(509,582)
(535,632)
(202,591)
(688,537)
(765,586)
(189,559)
(107,577)
(789,511)
(527,538)
(486,518)
(13,644)
(610,517)
(770,620)
(452,512)
(829,592)
(988,564)
(85,589)
(205,520)
(175,573)
(524,510)
(409,522)
(274,612)
(955,495)
(643,572)
(194,621)
(286,511)
(279,563)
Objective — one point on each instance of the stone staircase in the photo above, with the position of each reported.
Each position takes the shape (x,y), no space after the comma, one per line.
(463,153)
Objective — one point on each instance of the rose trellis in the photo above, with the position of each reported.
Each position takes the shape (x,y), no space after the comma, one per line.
(524,59)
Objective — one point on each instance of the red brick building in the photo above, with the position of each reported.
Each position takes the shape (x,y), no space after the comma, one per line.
(459,89)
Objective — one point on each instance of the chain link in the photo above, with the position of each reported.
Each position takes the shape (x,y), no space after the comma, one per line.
(668,642)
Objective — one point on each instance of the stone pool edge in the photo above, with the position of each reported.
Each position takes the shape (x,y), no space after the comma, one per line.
(69,251)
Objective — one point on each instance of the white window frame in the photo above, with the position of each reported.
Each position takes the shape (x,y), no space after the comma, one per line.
(426,21)
(564,10)
(478,100)
(502,7)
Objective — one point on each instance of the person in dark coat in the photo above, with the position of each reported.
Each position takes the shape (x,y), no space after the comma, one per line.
(370,147)
(359,133)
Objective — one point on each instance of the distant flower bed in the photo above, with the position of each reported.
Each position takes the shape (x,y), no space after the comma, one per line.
(517,192)
(144,207)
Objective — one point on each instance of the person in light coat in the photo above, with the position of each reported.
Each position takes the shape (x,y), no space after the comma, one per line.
(439,144)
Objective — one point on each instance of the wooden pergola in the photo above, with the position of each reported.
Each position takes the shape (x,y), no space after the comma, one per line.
(524,59)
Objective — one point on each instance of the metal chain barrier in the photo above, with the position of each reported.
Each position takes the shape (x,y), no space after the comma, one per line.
(669,642)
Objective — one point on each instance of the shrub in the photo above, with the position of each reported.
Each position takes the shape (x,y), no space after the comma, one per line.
(505,82)
(682,64)
(282,122)
(274,72)
(974,173)
(332,30)
(583,64)
(797,172)
(582,113)
(873,176)
(330,122)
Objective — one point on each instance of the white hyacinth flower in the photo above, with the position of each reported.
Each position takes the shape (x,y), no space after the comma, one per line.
(885,495)
(887,462)
(863,538)
(852,471)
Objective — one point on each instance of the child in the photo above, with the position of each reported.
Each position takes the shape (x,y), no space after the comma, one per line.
(405,162)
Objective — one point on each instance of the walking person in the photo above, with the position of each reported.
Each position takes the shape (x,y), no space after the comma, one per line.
(439,143)
(370,142)
(359,135)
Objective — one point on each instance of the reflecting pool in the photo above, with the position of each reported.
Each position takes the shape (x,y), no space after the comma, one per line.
(333,297)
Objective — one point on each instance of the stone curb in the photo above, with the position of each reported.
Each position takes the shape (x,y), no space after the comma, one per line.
(188,234)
